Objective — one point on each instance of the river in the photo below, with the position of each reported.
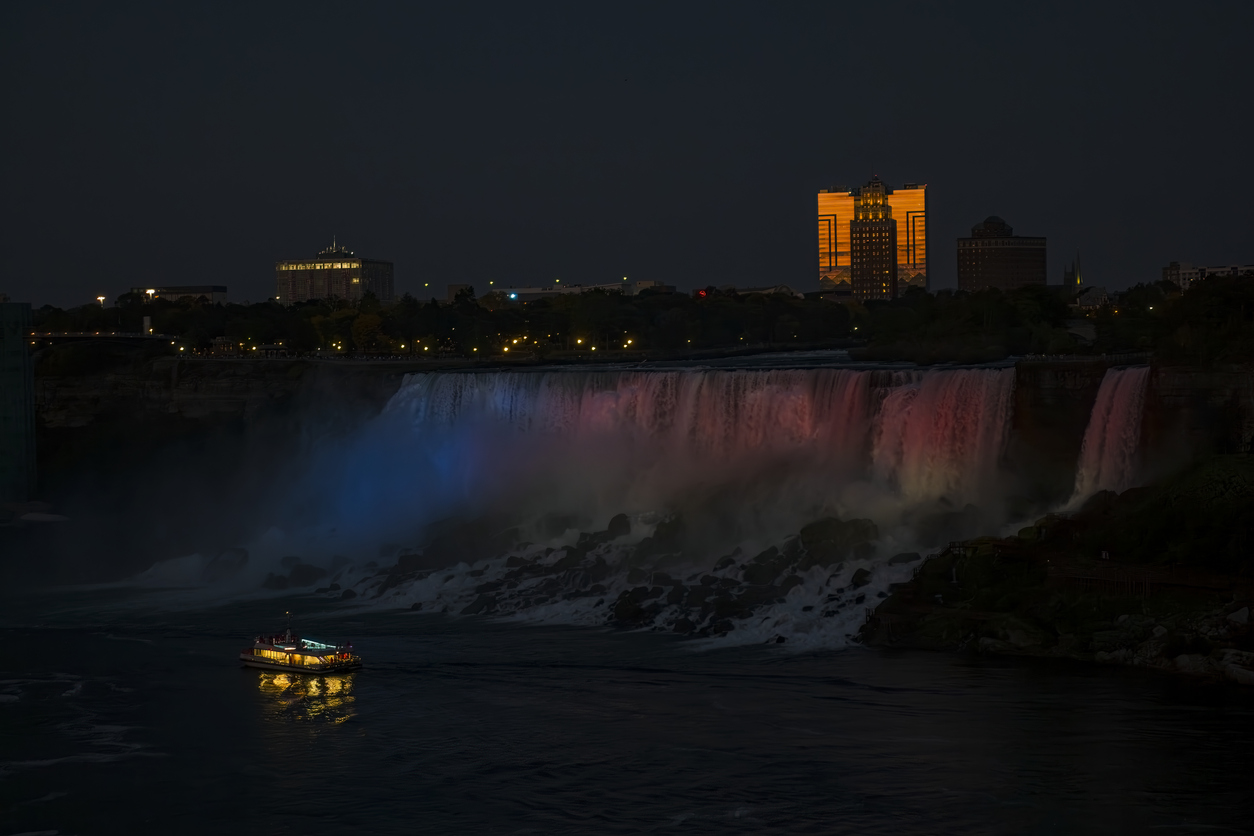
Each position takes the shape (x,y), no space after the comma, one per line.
(122,715)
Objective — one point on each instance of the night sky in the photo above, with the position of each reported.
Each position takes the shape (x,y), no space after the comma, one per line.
(173,144)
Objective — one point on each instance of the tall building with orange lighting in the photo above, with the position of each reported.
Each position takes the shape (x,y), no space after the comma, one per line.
(908,208)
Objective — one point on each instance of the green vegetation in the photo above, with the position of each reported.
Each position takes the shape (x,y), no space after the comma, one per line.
(1157,576)
(488,325)
(1212,323)
(968,327)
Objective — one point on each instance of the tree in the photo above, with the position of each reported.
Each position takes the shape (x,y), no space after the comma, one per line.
(367,330)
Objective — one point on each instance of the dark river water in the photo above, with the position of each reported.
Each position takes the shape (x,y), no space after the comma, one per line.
(138,720)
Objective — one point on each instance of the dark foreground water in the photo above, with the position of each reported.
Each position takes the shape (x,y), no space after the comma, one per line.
(119,721)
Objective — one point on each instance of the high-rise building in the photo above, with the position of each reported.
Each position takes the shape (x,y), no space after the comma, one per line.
(17,404)
(908,206)
(873,244)
(335,274)
(995,257)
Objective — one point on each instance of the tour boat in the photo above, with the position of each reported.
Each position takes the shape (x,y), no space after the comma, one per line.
(293,654)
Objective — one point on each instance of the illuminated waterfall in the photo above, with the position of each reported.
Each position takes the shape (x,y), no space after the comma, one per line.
(924,435)
(1109,457)
(943,436)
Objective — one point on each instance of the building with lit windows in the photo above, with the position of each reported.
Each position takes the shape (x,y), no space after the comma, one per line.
(995,257)
(1184,274)
(872,244)
(335,274)
(908,207)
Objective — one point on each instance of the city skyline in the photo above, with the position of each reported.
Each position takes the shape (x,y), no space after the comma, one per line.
(640,149)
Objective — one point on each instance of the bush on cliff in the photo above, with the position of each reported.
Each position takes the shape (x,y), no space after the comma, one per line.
(1204,517)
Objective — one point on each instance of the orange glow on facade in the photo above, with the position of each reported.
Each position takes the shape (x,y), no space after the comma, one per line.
(909,210)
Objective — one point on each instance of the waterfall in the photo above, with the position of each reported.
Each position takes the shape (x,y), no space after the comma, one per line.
(943,436)
(1109,456)
(753,504)
(921,435)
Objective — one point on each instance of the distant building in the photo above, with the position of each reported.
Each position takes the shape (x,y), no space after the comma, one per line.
(335,274)
(908,207)
(211,293)
(224,346)
(995,257)
(1185,274)
(531,294)
(769,290)
(873,244)
(1092,298)
(17,404)
(1072,277)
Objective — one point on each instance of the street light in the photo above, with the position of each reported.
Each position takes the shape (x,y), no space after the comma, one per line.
(100,299)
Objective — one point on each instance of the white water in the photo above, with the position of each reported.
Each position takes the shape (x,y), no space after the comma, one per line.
(652,436)
(746,457)
(1110,454)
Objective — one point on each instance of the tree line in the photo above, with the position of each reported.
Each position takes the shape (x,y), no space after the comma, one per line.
(1212,322)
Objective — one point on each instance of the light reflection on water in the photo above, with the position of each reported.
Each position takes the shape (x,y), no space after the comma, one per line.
(309,698)
(478,727)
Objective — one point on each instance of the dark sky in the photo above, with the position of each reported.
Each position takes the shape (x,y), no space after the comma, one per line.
(174,144)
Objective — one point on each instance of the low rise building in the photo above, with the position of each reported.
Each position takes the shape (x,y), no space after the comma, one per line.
(995,257)
(1184,274)
(336,273)
(531,294)
(1092,298)
(210,293)
(769,290)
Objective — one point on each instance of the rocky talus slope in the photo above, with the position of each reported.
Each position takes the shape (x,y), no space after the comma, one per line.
(1156,577)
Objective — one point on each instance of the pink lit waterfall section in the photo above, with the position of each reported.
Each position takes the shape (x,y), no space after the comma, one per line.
(1110,454)
(717,414)
(921,434)
(944,435)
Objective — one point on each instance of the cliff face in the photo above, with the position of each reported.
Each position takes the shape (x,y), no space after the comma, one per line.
(1210,409)
(1189,413)
(164,456)
(1052,406)
(203,390)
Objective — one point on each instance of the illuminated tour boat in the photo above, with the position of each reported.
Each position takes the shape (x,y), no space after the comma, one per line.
(292,654)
